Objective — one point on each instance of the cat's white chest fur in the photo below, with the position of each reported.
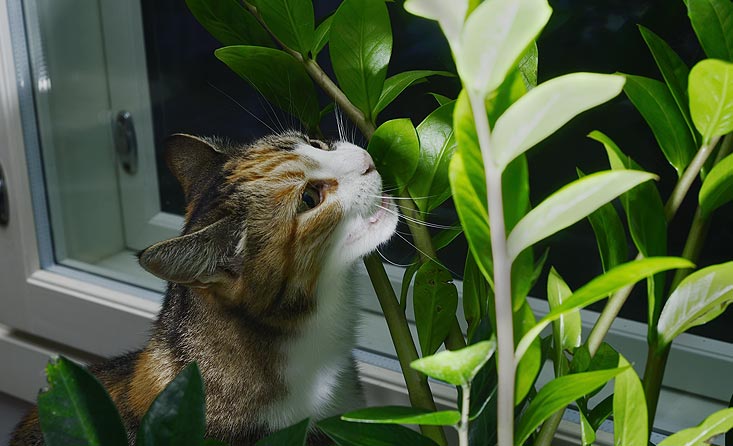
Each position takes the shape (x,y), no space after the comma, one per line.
(318,370)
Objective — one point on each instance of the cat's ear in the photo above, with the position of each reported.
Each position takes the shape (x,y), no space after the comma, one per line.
(196,259)
(191,159)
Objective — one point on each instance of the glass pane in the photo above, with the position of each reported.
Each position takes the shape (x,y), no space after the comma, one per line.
(98,226)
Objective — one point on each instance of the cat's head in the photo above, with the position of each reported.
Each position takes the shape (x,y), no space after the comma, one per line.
(270,215)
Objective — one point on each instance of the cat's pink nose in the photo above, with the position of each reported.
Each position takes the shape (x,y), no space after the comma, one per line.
(367,164)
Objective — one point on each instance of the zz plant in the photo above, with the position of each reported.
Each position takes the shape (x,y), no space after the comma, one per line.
(473,150)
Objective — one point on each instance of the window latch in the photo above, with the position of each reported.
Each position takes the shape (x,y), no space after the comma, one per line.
(4,203)
(125,141)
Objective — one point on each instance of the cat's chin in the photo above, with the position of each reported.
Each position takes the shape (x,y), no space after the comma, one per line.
(369,232)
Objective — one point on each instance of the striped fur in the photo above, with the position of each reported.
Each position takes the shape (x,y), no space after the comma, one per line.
(258,285)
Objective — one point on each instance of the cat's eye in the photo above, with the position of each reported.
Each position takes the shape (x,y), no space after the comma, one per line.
(310,198)
(318,144)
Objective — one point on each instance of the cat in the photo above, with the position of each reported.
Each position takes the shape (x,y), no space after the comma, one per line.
(258,285)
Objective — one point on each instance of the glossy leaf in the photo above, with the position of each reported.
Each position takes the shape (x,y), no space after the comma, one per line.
(587,433)
(483,385)
(718,423)
(446,236)
(459,366)
(322,34)
(528,367)
(435,300)
(229,22)
(674,71)
(629,408)
(295,435)
(493,38)
(600,287)
(430,186)
(659,109)
(712,21)
(557,394)
(570,204)
(403,415)
(601,412)
(76,409)
(610,234)
(450,15)
(699,298)
(277,76)
(178,415)
(406,281)
(345,433)
(362,51)
(395,148)
(711,97)
(717,189)
(566,328)
(546,108)
(440,99)
(396,84)
(292,21)
(646,220)
(476,291)
(528,66)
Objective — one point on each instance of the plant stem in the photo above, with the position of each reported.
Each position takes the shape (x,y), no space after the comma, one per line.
(417,384)
(547,432)
(502,279)
(465,409)
(683,185)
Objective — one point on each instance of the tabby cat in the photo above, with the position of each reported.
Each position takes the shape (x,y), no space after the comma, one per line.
(259,288)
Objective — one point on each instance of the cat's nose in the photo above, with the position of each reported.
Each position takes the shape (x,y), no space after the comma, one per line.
(367,164)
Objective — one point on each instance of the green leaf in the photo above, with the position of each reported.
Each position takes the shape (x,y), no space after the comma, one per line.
(600,287)
(430,185)
(76,409)
(395,148)
(229,22)
(528,367)
(450,15)
(659,109)
(476,291)
(440,99)
(546,108)
(718,423)
(717,189)
(294,435)
(646,220)
(698,299)
(178,414)
(323,33)
(610,234)
(435,300)
(712,21)
(629,408)
(587,433)
(528,66)
(396,84)
(494,37)
(601,412)
(345,433)
(711,97)
(456,367)
(570,204)
(557,394)
(567,328)
(292,21)
(403,415)
(361,51)
(277,76)
(674,71)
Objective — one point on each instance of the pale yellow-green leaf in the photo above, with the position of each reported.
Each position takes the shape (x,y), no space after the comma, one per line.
(456,367)
(718,423)
(629,408)
(567,328)
(449,14)
(711,97)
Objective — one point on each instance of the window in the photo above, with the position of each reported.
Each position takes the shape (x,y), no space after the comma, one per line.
(83,203)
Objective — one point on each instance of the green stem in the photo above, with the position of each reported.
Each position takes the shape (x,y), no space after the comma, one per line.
(547,432)
(688,176)
(417,384)
(502,279)
(465,410)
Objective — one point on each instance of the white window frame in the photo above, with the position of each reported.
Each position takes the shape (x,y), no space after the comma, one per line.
(47,308)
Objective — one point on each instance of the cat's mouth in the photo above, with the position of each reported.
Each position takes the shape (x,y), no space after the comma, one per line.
(382,208)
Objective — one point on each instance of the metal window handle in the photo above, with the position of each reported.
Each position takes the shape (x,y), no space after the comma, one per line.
(4,203)
(125,141)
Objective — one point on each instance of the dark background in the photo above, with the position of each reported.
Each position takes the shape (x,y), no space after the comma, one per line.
(193,92)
